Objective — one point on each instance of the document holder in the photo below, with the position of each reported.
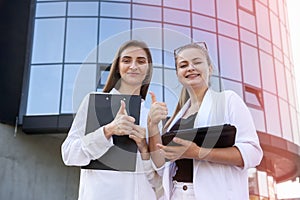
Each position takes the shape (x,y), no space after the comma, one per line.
(102,110)
(219,136)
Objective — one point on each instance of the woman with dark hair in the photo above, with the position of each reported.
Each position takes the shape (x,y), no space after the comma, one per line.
(130,74)
(194,172)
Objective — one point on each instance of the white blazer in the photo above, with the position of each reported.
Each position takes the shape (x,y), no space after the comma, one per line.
(79,149)
(217,181)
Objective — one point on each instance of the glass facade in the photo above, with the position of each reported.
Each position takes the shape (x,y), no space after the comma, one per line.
(73,43)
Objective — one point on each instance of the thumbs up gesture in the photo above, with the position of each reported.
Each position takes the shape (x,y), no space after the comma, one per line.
(158,111)
(121,125)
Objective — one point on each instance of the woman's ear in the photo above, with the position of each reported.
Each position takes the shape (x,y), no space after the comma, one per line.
(211,70)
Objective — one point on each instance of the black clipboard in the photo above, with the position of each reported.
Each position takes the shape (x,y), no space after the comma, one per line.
(218,136)
(102,110)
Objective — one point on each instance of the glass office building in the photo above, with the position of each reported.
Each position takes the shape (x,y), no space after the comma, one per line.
(72,44)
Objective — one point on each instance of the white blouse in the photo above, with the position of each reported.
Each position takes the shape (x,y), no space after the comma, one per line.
(79,149)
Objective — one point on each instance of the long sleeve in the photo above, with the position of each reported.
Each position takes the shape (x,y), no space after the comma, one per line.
(79,149)
(246,140)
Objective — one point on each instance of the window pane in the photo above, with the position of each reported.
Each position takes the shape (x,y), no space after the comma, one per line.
(262,18)
(152,2)
(48,30)
(147,12)
(83,8)
(177,17)
(81,39)
(50,9)
(290,88)
(275,30)
(272,114)
(267,70)
(78,81)
(250,65)
(265,45)
(177,4)
(295,125)
(115,9)
(203,22)
(232,85)
(247,4)
(113,32)
(227,10)
(44,90)
(204,7)
(247,20)
(229,65)
(248,37)
(273,6)
(228,29)
(280,78)
(285,120)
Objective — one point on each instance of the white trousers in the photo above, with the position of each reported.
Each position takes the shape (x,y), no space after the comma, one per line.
(183,191)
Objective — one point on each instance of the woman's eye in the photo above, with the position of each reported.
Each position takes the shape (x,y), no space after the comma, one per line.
(182,66)
(141,62)
(126,61)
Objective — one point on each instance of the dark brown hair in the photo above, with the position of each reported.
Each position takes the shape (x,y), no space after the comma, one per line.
(114,74)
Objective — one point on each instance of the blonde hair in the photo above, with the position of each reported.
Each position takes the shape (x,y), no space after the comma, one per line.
(114,74)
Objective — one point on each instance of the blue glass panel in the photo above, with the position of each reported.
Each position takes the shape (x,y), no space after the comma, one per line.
(50,9)
(115,9)
(83,8)
(47,30)
(81,39)
(146,12)
(204,7)
(44,90)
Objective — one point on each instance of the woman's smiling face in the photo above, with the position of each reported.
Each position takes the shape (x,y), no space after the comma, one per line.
(193,70)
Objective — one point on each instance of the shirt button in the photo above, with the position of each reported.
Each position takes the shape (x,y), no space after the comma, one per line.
(184,187)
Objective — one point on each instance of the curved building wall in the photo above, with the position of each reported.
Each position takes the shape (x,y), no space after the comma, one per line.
(74,41)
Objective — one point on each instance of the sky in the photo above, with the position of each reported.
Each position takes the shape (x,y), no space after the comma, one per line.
(292,189)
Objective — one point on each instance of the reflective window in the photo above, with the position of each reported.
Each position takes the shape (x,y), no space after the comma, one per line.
(262,18)
(277,53)
(247,20)
(44,90)
(204,22)
(115,9)
(248,37)
(229,65)
(253,96)
(272,114)
(291,92)
(81,39)
(113,32)
(232,85)
(146,12)
(50,9)
(227,10)
(285,120)
(83,8)
(258,118)
(250,65)
(228,29)
(246,4)
(285,49)
(281,10)
(119,0)
(204,7)
(273,6)
(48,30)
(295,128)
(267,72)
(275,30)
(152,2)
(280,78)
(177,17)
(265,45)
(177,4)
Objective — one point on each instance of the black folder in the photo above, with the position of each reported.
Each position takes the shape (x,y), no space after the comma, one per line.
(102,110)
(218,136)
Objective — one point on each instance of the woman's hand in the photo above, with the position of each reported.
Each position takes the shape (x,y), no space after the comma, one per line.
(139,136)
(158,111)
(185,149)
(121,125)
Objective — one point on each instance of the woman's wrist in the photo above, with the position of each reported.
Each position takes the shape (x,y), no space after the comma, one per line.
(203,153)
(107,129)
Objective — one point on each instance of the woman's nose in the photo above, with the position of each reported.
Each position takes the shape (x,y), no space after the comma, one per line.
(191,67)
(133,66)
